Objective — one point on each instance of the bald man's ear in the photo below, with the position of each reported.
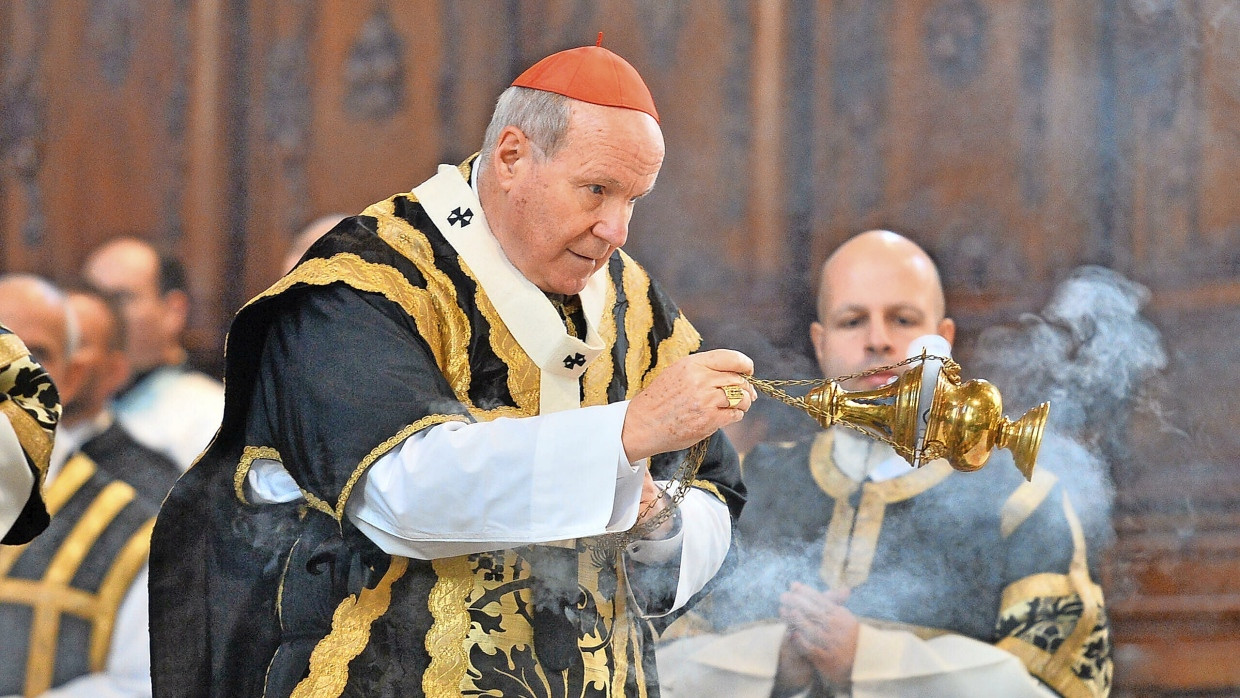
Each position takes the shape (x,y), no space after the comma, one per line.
(70,381)
(947,330)
(817,337)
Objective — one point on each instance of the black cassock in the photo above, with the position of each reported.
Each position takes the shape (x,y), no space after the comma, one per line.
(381,331)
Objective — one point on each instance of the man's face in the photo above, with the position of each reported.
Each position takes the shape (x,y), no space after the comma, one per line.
(130,272)
(571,212)
(875,303)
(104,367)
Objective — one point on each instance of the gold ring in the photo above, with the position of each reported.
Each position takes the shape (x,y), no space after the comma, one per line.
(734,394)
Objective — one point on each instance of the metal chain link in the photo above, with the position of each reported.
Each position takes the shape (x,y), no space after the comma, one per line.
(686,473)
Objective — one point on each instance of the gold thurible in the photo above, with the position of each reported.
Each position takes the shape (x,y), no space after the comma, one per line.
(964,424)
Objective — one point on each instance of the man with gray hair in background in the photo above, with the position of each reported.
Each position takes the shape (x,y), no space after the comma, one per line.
(859,575)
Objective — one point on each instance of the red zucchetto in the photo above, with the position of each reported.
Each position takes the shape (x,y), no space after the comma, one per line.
(591,74)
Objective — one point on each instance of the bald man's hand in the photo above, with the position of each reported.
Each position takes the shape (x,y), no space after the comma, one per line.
(685,403)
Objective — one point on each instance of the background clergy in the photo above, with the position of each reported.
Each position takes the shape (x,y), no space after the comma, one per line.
(861,576)
(434,418)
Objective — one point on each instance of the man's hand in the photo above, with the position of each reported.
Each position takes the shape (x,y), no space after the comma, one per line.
(822,631)
(653,502)
(685,403)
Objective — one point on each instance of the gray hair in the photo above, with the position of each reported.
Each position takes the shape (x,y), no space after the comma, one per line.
(542,116)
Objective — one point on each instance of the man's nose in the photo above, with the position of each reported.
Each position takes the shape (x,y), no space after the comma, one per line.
(613,226)
(879,339)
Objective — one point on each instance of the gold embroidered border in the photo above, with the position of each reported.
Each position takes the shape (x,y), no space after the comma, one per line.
(350,633)
(381,279)
(11,349)
(1025,500)
(1043,585)
(1057,669)
(602,370)
(840,488)
(378,451)
(638,321)
(1066,684)
(113,589)
(76,472)
(414,246)
(31,436)
(684,341)
(45,626)
(248,455)
(445,642)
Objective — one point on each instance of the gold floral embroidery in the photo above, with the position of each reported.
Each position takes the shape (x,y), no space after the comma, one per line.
(446,640)
(683,341)
(638,321)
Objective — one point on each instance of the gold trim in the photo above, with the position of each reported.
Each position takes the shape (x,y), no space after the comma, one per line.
(76,472)
(455,330)
(709,487)
(33,438)
(1025,500)
(45,626)
(602,370)
(11,349)
(683,341)
(350,633)
(445,641)
(350,269)
(1070,686)
(638,322)
(1042,585)
(112,590)
(852,536)
(378,452)
(248,455)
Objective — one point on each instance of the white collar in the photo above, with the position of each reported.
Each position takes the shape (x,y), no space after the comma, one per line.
(861,457)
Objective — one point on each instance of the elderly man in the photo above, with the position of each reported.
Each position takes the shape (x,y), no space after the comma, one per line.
(895,581)
(73,603)
(30,406)
(166,406)
(88,425)
(442,426)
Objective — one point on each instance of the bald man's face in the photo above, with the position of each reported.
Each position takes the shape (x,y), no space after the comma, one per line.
(873,303)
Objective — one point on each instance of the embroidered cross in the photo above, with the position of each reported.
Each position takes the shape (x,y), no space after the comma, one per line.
(571,362)
(459,217)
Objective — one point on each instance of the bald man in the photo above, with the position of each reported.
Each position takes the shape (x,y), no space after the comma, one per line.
(73,605)
(167,406)
(861,576)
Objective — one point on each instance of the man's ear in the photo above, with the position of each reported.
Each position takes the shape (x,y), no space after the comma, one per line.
(817,333)
(512,148)
(947,330)
(176,313)
(70,382)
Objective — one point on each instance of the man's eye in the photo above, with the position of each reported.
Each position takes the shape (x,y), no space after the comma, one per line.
(850,322)
(595,188)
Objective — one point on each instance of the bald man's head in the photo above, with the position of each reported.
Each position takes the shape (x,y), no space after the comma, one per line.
(37,312)
(101,355)
(879,291)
